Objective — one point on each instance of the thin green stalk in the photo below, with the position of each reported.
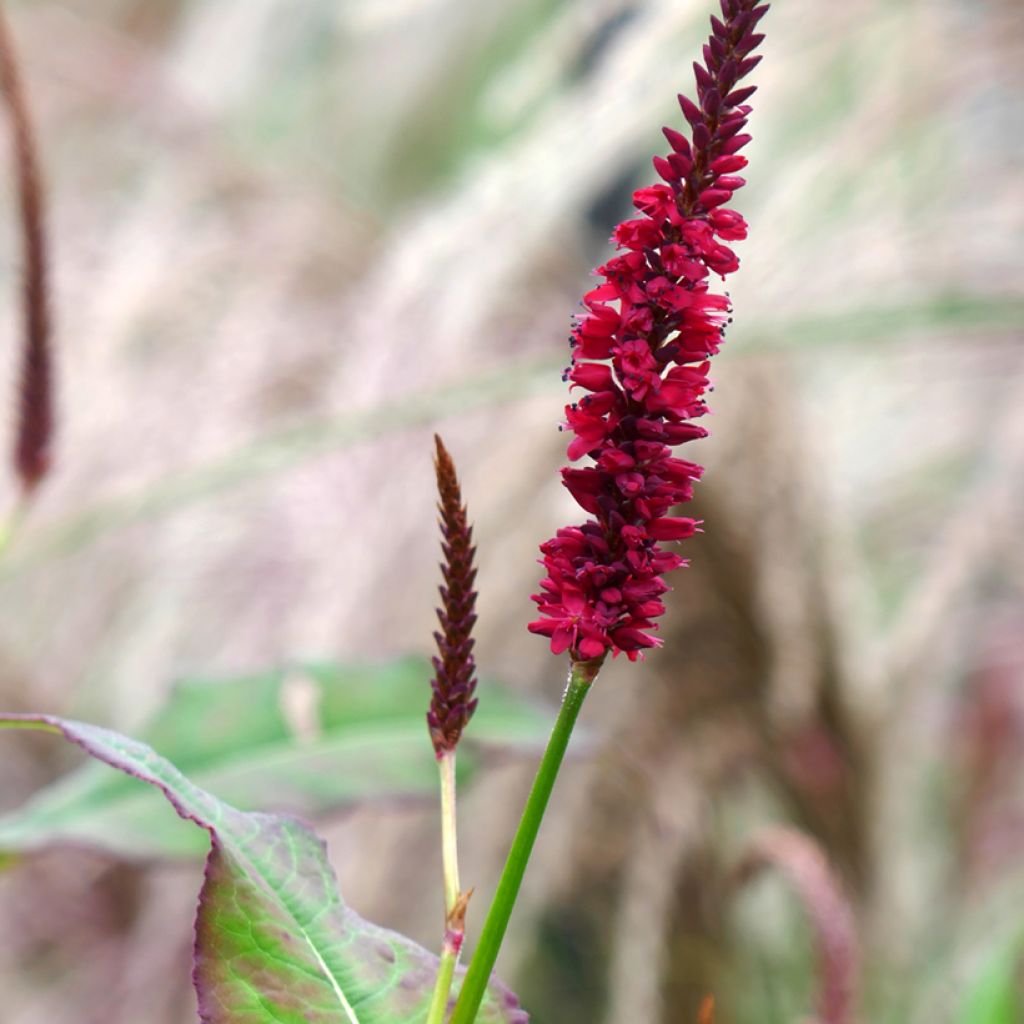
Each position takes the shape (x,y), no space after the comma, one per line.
(449,832)
(445,973)
(486,953)
(454,902)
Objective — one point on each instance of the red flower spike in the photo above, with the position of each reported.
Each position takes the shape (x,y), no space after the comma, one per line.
(452,704)
(645,340)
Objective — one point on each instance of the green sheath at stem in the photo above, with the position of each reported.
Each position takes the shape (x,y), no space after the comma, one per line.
(486,952)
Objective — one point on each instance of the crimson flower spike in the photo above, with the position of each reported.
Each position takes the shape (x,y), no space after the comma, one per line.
(452,704)
(34,438)
(640,351)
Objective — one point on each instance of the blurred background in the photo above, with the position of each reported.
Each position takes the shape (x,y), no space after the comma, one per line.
(292,238)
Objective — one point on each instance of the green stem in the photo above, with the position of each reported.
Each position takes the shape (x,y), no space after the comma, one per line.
(449,832)
(486,953)
(454,908)
(445,973)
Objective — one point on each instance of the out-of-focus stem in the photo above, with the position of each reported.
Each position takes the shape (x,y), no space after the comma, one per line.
(10,523)
(486,953)
(33,443)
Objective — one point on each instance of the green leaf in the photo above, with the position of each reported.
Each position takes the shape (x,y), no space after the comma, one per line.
(275,944)
(310,740)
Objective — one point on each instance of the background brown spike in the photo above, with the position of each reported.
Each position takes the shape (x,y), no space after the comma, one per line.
(804,863)
(32,447)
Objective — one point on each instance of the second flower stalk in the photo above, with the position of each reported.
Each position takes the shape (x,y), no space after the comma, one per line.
(452,703)
(451,707)
(455,900)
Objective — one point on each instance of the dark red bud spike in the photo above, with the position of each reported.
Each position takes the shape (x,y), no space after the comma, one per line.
(454,681)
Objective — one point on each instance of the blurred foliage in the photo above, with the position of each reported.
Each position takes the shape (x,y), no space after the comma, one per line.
(309,740)
(994,995)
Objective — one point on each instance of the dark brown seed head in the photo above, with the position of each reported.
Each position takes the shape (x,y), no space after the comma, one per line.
(452,703)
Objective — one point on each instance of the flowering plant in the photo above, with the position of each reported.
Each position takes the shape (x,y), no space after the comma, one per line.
(274,942)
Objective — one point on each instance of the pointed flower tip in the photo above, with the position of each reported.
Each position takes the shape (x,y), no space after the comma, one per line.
(452,703)
(641,352)
(441,455)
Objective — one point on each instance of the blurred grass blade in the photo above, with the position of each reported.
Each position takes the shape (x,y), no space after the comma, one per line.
(308,741)
(274,941)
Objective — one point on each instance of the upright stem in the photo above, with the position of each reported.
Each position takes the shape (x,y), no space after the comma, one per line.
(443,985)
(449,833)
(454,901)
(486,953)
